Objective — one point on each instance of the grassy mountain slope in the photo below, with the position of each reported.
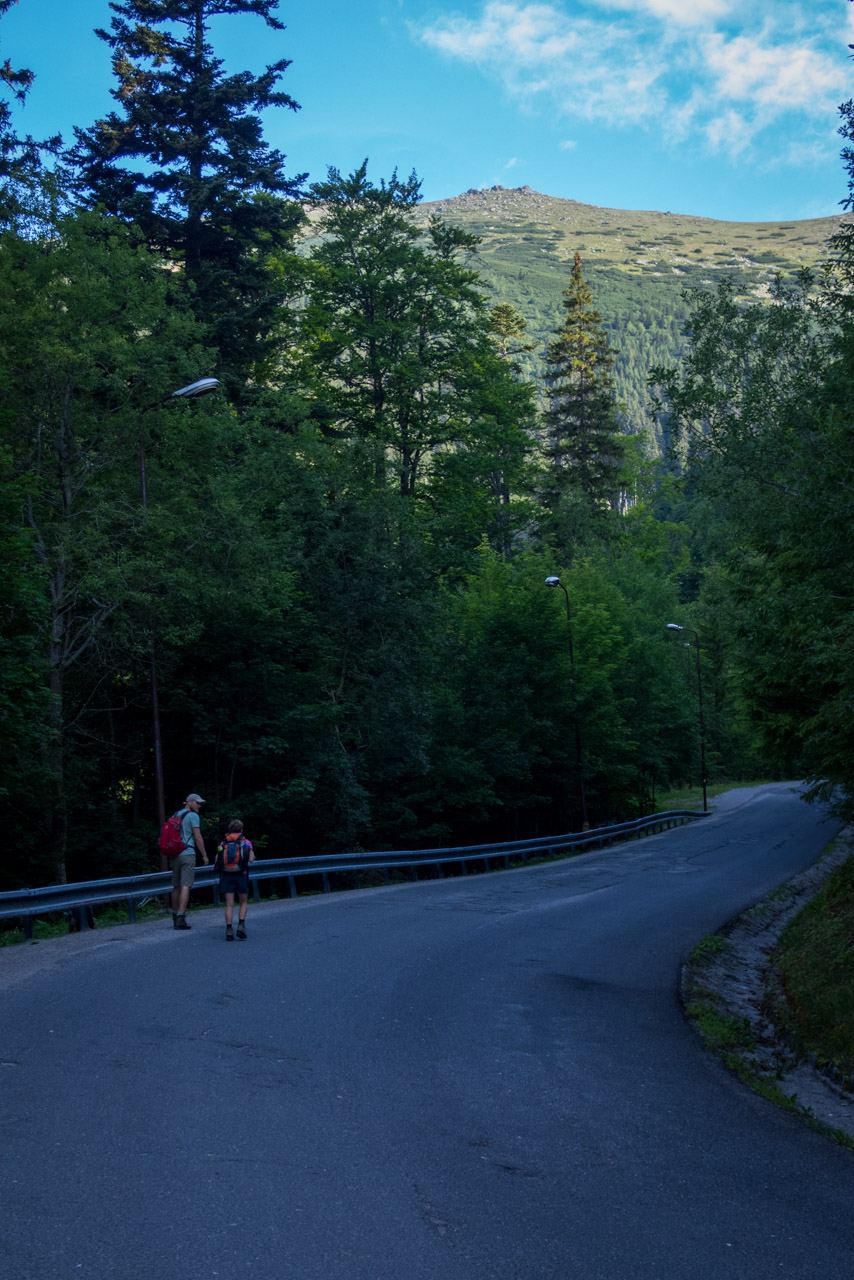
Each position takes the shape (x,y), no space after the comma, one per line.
(638,264)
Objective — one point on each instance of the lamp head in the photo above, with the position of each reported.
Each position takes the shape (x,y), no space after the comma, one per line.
(553,581)
(199,388)
(674,626)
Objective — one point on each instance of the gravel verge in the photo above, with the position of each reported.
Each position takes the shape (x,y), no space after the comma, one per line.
(725,985)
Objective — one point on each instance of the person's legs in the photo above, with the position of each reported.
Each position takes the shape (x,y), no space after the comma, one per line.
(183,875)
(243,899)
(229,909)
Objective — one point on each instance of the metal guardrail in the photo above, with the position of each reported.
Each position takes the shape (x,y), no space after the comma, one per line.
(26,904)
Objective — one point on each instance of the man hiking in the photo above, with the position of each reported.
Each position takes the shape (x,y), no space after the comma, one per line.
(184,864)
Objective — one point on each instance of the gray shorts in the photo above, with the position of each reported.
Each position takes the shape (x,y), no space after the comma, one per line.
(184,870)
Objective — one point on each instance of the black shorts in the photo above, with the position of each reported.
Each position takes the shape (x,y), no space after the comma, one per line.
(234,882)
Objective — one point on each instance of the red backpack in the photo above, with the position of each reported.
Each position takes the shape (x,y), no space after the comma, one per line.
(171,841)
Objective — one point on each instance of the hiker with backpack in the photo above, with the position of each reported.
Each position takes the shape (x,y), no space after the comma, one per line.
(233,857)
(180,838)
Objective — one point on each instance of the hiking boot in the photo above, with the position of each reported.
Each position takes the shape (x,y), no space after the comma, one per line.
(241,931)
(229,933)
(181,923)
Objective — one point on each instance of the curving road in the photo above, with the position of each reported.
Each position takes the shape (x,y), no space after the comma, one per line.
(486,1078)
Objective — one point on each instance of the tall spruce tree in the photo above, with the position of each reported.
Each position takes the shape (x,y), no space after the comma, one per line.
(185,161)
(20,157)
(17,82)
(583,443)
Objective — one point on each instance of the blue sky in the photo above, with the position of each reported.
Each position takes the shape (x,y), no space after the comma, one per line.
(724,108)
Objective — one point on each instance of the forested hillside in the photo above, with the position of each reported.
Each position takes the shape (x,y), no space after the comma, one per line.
(639,265)
(280,496)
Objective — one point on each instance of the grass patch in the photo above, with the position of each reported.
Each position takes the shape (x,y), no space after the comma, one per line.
(815,962)
(714,945)
(720,1030)
(42,929)
(691,797)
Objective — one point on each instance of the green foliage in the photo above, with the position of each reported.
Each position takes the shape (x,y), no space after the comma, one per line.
(714,945)
(397,353)
(86,337)
(340,580)
(758,412)
(815,960)
(720,1030)
(24,696)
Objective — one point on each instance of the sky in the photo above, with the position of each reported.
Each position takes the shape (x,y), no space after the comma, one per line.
(720,108)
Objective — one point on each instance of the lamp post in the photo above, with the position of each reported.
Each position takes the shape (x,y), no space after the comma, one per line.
(198,388)
(674,626)
(556,582)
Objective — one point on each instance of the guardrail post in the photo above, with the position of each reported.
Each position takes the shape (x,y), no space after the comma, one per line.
(463,868)
(292,886)
(131,904)
(83,918)
(27,922)
(440,874)
(216,897)
(326,882)
(256,891)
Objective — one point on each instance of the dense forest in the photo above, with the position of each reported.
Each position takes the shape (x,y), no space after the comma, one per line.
(280,496)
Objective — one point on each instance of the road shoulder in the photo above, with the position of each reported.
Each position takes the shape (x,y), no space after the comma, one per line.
(724,986)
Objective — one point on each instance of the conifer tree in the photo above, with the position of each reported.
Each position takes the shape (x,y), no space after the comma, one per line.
(19,156)
(17,82)
(510,329)
(184,159)
(583,442)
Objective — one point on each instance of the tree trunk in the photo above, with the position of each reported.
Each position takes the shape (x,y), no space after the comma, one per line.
(56,819)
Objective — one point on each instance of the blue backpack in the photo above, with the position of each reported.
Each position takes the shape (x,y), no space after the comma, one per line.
(234,854)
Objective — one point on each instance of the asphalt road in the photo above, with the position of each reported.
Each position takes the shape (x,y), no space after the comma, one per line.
(486,1078)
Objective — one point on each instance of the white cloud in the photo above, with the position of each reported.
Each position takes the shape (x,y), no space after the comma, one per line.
(537,51)
(511,163)
(567,145)
(781,77)
(711,69)
(729,131)
(530,34)
(685,12)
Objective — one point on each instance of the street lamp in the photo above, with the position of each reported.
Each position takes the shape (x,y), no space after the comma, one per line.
(554,581)
(674,626)
(198,388)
